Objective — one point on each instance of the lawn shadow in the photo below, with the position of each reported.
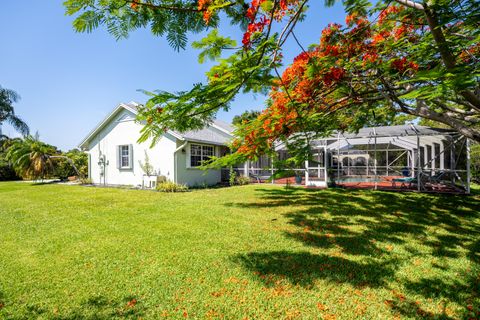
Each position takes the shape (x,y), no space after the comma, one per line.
(96,307)
(303,268)
(365,235)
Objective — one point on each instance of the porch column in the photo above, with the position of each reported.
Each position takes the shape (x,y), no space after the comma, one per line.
(348,162)
(442,156)
(271,169)
(452,155)
(388,165)
(338,157)
(411,154)
(245,168)
(325,164)
(433,158)
(425,157)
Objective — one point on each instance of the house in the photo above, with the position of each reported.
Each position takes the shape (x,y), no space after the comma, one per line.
(115,156)
(374,156)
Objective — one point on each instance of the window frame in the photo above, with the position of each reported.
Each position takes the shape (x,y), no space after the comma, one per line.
(202,155)
(121,156)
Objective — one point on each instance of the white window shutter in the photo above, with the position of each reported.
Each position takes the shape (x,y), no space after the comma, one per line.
(130,156)
(119,157)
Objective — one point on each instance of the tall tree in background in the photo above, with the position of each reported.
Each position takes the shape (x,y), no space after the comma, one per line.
(415,58)
(246,116)
(7,172)
(31,158)
(7,114)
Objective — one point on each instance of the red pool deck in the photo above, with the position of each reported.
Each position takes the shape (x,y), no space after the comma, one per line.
(385,184)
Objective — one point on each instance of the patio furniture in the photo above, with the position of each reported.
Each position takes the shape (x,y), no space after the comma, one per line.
(259,178)
(403,182)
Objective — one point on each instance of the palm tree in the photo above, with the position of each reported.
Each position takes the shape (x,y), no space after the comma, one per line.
(7,114)
(32,158)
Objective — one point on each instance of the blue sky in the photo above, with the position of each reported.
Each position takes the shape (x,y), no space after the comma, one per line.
(69,81)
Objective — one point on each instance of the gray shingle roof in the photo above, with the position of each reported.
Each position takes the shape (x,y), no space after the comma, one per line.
(208,134)
(224,125)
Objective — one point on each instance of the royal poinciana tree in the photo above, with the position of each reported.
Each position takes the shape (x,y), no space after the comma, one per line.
(398,57)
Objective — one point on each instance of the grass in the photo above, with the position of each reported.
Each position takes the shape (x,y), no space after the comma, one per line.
(257,252)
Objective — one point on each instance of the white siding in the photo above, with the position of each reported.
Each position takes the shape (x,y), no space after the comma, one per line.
(125,132)
(194,176)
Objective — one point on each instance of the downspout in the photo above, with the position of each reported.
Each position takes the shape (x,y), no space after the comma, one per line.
(175,178)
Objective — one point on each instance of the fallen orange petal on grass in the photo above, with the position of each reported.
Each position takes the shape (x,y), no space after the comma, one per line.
(132,303)
(321,307)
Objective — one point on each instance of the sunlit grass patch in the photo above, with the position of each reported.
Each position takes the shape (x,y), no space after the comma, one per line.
(258,252)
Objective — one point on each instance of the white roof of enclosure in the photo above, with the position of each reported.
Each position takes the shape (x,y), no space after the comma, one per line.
(403,136)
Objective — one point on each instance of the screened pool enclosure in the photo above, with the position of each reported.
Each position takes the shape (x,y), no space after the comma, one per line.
(407,157)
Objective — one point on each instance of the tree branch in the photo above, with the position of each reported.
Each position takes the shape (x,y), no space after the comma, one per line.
(411,4)
(447,56)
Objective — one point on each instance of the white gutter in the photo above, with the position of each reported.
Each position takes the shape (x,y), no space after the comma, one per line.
(175,179)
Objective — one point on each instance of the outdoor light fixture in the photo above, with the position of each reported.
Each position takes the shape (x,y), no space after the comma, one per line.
(102,161)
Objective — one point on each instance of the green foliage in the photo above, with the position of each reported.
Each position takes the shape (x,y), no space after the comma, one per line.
(169,186)
(64,168)
(172,19)
(279,174)
(444,33)
(213,45)
(245,117)
(85,180)
(7,172)
(31,158)
(146,166)
(7,114)
(232,177)
(242,180)
(194,109)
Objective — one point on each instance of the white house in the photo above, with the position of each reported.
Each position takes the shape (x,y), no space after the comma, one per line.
(115,155)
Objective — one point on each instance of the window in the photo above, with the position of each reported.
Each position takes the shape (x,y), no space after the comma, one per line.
(200,153)
(125,157)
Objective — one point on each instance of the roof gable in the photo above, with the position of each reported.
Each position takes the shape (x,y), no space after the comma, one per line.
(218,132)
(107,120)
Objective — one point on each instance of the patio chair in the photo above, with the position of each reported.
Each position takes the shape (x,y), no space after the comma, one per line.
(437,181)
(259,178)
(403,182)
(405,179)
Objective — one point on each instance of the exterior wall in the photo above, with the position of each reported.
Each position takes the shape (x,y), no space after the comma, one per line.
(194,176)
(122,130)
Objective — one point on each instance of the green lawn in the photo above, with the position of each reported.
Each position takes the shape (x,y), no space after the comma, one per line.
(256,252)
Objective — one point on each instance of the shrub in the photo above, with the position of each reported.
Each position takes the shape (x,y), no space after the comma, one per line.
(7,173)
(242,180)
(232,179)
(161,179)
(282,173)
(169,186)
(86,181)
(64,169)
